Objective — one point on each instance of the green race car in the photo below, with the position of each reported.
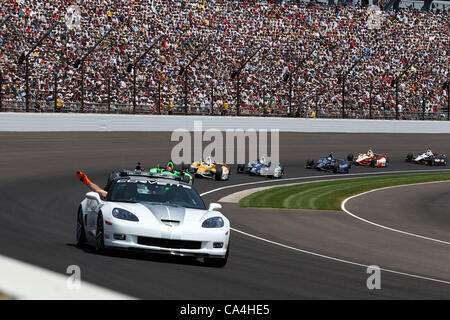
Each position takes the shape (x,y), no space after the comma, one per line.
(171,172)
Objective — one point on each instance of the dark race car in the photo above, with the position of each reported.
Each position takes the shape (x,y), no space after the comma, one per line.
(168,172)
(330,164)
(428,158)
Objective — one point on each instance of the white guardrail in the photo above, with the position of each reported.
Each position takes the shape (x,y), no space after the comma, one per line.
(51,122)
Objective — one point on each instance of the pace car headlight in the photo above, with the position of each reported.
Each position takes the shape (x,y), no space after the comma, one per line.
(214,222)
(124,215)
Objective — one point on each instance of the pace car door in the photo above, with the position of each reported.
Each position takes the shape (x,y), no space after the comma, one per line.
(92,208)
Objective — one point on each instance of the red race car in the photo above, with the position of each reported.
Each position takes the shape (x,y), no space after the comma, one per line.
(370,159)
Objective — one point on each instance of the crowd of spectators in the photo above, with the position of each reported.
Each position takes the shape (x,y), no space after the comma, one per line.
(296,54)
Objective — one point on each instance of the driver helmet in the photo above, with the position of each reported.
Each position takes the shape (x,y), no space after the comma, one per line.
(370,152)
(429,152)
(139,167)
(262,160)
(208,161)
(169,166)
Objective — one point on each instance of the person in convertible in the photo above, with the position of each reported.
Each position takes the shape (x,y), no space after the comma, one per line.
(92,186)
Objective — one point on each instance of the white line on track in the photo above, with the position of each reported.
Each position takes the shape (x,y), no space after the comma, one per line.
(322,255)
(337,259)
(385,227)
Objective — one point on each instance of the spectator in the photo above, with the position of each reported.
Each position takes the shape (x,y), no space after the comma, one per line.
(327,40)
(224,108)
(59,105)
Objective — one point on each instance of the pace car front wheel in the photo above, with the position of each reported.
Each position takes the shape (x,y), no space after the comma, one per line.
(99,235)
(217,262)
(81,235)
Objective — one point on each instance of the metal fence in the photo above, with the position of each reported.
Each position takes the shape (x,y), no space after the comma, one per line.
(299,112)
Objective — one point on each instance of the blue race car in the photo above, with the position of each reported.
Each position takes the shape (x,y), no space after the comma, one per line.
(262,167)
(330,164)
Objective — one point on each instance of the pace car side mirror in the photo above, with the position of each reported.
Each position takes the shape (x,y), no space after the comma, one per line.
(214,206)
(93,196)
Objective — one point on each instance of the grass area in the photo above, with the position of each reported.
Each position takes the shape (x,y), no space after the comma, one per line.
(328,195)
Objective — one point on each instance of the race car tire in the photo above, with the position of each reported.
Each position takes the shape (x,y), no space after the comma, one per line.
(217,262)
(99,235)
(310,163)
(241,168)
(219,172)
(81,234)
(431,162)
(184,167)
(192,170)
(187,179)
(409,157)
(350,157)
(335,167)
(280,175)
(373,163)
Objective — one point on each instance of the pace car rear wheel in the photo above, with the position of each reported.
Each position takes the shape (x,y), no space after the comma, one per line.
(99,235)
(81,235)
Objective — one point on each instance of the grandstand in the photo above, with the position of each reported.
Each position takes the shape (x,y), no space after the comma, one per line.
(289,58)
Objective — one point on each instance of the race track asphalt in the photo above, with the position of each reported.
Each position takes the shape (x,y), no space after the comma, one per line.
(422,209)
(39,195)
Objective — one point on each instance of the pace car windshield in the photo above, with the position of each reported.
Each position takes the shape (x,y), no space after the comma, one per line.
(136,191)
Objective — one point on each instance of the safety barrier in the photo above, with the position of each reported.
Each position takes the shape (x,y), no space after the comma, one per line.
(51,122)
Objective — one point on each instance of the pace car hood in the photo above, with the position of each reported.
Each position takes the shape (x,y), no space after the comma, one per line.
(164,212)
(163,221)
(161,212)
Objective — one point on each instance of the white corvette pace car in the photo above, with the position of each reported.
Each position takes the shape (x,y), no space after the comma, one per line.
(147,212)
